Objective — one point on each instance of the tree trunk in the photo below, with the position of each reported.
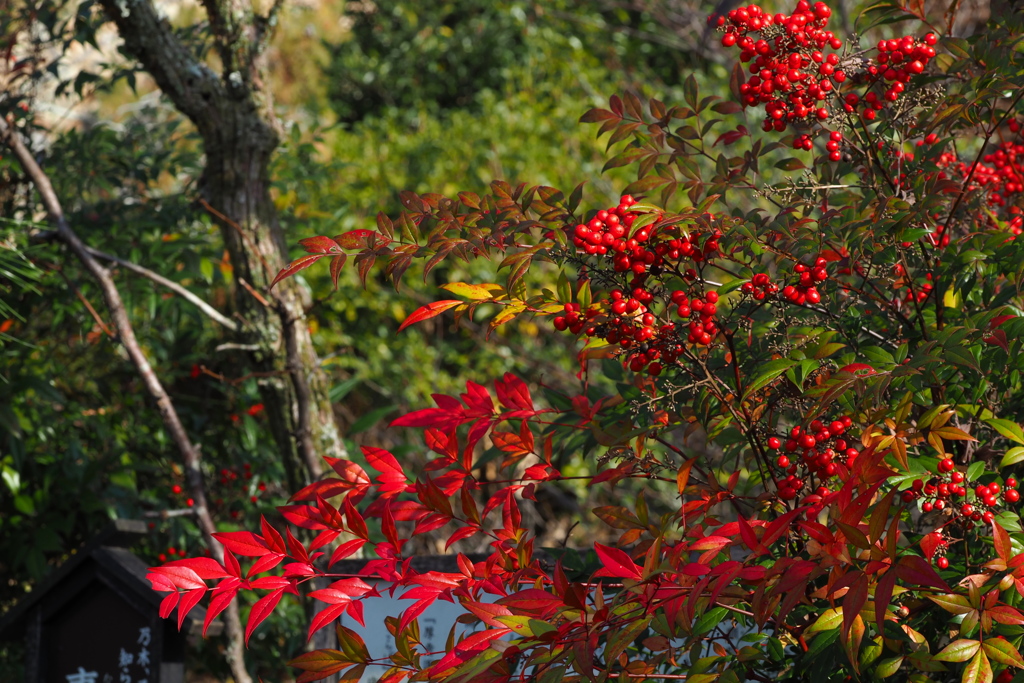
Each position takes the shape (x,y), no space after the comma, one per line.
(233,114)
(234,117)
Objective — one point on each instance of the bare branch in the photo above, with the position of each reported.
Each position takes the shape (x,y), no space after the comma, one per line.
(184,293)
(119,316)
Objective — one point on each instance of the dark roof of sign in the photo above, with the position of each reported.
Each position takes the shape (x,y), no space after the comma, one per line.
(107,553)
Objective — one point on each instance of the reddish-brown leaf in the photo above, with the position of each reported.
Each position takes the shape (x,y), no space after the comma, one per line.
(295,266)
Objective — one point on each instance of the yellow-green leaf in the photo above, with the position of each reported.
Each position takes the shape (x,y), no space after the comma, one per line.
(958,651)
(475,292)
(829,619)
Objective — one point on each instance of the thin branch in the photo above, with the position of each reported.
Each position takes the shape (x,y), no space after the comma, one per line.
(172,422)
(206,308)
(88,306)
(267,272)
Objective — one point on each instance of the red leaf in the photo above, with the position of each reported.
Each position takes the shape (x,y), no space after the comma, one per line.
(320,245)
(487,612)
(1001,540)
(361,239)
(295,266)
(918,571)
(265,564)
(324,617)
(261,610)
(464,532)
(244,543)
(431,310)
(205,567)
(271,536)
(270,583)
(930,543)
(346,549)
(414,611)
(337,263)
(616,563)
(180,577)
(187,602)
(355,610)
(168,604)
(223,594)
(513,393)
(304,516)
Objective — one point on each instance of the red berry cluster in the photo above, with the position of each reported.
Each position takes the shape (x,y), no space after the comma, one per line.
(177,491)
(759,287)
(637,314)
(170,554)
(702,326)
(898,60)
(950,488)
(822,453)
(790,74)
(833,146)
(806,292)
(1001,181)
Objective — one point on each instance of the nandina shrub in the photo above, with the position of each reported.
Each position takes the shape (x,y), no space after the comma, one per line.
(842,326)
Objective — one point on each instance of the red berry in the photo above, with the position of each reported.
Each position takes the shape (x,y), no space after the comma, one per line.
(175,489)
(1011,495)
(774,443)
(942,563)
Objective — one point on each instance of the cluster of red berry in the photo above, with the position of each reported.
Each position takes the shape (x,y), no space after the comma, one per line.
(822,453)
(759,287)
(790,74)
(178,491)
(170,554)
(632,316)
(898,60)
(1002,180)
(833,146)
(805,292)
(950,488)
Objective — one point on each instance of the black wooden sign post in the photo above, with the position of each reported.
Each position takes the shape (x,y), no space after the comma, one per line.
(95,620)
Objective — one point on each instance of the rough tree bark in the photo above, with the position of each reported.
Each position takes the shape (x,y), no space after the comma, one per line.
(232,112)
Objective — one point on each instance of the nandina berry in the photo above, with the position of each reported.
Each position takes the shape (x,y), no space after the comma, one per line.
(942,563)
(774,443)
(1011,495)
(176,489)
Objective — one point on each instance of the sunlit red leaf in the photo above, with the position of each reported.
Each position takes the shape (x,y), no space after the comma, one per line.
(431,310)
(261,610)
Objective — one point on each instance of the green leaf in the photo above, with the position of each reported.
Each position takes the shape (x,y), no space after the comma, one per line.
(710,619)
(979,670)
(975,470)
(888,667)
(958,651)
(1003,652)
(1011,430)
(1012,457)
(790,165)
(769,371)
(829,619)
